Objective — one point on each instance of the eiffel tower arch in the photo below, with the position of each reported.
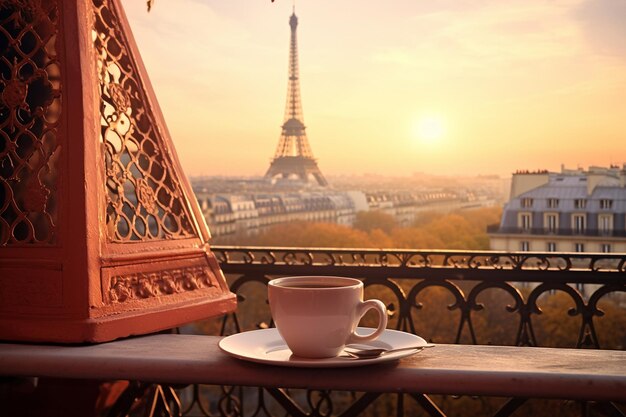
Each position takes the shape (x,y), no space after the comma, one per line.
(293,157)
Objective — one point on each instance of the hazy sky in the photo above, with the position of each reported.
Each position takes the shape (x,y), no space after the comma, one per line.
(436,86)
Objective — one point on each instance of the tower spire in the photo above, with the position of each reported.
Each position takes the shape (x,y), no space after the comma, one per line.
(293,156)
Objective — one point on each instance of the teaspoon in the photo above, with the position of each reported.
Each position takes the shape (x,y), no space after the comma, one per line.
(376,352)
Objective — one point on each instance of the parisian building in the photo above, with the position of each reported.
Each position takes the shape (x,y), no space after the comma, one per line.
(574,210)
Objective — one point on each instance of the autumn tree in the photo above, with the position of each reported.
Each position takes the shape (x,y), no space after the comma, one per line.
(376,229)
(306,234)
(369,221)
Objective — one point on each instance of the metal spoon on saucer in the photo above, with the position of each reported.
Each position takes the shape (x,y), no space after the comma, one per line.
(376,352)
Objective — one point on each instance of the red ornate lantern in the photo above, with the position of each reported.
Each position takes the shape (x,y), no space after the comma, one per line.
(100,234)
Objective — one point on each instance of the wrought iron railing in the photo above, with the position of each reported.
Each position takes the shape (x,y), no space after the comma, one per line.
(527,299)
(526,280)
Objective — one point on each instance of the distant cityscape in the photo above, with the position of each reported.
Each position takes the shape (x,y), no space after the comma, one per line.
(294,187)
(574,210)
(248,205)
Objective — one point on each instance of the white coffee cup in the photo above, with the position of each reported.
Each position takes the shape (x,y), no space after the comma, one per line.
(317,315)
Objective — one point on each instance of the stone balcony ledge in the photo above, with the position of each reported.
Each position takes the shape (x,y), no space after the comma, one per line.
(598,375)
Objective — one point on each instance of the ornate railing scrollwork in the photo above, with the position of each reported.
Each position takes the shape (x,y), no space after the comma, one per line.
(465,284)
(471,282)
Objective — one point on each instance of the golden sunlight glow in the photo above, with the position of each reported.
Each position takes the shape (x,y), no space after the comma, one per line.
(458,78)
(428,129)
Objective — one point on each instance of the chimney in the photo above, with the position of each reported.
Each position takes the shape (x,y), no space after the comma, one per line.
(524,181)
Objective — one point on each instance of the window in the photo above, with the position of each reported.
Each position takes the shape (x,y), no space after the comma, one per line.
(605,223)
(551,222)
(605,248)
(606,204)
(579,247)
(580,203)
(524,246)
(579,223)
(525,221)
(553,203)
(551,247)
(527,202)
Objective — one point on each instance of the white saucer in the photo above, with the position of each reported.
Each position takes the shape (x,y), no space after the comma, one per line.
(267,346)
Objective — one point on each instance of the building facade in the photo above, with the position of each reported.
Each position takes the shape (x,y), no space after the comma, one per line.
(238,213)
(571,211)
(249,213)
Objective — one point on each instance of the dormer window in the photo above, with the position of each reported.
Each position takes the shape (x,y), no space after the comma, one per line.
(580,203)
(553,203)
(606,204)
(527,202)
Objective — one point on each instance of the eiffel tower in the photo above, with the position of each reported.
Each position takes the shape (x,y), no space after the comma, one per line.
(293,157)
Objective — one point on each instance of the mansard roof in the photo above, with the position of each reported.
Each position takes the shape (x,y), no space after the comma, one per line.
(566,189)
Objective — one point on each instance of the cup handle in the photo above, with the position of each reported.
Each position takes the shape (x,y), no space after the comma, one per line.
(382,322)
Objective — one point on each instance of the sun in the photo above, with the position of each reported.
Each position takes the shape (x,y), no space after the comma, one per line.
(429,129)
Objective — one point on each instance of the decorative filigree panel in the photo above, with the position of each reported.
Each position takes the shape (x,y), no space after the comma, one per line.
(30,121)
(143,195)
(159,283)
